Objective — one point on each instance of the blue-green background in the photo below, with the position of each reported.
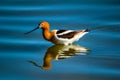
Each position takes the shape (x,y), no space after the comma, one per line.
(102,17)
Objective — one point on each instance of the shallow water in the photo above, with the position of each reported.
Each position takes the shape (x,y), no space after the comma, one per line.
(101,17)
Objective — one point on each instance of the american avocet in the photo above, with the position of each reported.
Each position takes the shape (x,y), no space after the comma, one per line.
(60,36)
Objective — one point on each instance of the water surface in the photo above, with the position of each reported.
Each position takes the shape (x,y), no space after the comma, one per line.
(102,17)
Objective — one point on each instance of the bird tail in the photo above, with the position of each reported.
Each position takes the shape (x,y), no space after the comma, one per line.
(86,30)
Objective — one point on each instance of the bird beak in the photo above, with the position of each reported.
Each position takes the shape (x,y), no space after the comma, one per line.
(32,30)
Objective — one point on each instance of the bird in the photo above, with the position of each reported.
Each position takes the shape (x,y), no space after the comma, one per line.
(62,36)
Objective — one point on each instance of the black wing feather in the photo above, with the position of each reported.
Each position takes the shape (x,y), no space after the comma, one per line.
(68,35)
(61,31)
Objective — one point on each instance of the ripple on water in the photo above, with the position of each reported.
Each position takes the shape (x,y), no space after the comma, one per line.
(20,16)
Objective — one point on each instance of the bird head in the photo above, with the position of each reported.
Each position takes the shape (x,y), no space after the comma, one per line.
(44,25)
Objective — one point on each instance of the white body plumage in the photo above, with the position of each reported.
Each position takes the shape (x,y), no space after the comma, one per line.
(67,37)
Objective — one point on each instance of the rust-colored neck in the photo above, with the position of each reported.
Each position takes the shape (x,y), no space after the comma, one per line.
(46,33)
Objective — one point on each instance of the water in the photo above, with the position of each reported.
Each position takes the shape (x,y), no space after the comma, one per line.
(101,62)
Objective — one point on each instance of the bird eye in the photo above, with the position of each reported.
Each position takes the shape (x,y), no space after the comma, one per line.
(42,24)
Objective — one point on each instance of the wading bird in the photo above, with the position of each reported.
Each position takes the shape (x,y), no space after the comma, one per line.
(65,37)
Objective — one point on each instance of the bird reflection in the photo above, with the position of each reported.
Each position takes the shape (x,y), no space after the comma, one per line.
(57,52)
